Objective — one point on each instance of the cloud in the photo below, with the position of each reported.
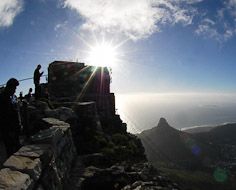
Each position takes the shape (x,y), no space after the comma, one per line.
(9,9)
(221,24)
(60,25)
(208,28)
(142,18)
(230,6)
(135,19)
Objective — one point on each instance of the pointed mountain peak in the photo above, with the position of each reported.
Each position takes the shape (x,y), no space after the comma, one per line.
(163,123)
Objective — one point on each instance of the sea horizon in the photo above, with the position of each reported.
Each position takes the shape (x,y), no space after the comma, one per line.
(183,110)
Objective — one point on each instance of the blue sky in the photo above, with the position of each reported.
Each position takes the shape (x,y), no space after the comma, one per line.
(166,45)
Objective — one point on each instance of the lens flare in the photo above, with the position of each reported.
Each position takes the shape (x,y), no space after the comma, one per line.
(220,175)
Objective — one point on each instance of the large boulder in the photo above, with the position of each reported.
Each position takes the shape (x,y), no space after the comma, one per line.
(14,180)
(33,167)
(37,151)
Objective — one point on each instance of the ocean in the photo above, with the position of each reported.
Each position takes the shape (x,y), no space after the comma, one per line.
(142,111)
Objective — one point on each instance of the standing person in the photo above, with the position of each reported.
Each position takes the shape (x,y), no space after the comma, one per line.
(29,95)
(21,96)
(9,117)
(37,75)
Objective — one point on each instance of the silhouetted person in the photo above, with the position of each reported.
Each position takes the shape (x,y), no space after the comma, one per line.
(37,75)
(9,117)
(21,96)
(29,95)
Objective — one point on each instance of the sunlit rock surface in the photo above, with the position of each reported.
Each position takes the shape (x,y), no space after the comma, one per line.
(15,180)
(45,164)
(32,167)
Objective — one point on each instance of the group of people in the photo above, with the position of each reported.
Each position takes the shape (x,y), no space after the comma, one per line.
(10,124)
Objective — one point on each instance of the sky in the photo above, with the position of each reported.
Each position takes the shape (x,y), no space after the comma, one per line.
(160,46)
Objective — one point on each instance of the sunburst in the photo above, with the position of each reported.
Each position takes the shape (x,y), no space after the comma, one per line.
(103,54)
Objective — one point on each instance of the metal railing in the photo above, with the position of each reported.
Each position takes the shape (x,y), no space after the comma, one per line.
(2,85)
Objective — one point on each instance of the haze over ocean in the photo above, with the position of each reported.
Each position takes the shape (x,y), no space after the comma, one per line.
(143,111)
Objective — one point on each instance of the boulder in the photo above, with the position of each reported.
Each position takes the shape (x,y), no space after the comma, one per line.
(32,167)
(52,136)
(41,151)
(14,180)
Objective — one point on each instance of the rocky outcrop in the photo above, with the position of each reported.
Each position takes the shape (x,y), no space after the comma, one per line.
(75,139)
(125,176)
(11,179)
(107,159)
(44,164)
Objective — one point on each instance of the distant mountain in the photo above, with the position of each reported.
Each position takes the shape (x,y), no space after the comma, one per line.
(221,130)
(223,134)
(165,143)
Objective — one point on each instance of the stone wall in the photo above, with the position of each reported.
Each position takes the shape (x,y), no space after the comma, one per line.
(44,164)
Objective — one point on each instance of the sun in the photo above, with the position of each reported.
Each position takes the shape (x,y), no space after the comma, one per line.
(103,55)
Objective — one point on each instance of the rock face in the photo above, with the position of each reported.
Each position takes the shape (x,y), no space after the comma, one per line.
(75,140)
(106,160)
(45,164)
(114,160)
(120,176)
(10,179)
(32,167)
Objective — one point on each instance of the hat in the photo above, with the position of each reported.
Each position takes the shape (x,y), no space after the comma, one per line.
(12,82)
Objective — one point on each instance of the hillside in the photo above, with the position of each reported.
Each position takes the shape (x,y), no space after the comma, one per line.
(192,158)
(171,145)
(222,134)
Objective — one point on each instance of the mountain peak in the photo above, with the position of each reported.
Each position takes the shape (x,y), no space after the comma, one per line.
(163,123)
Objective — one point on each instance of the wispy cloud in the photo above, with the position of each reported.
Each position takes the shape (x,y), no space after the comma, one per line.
(210,28)
(221,24)
(135,19)
(60,25)
(9,9)
(142,18)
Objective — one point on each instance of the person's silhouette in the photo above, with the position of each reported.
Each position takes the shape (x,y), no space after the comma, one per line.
(29,95)
(37,75)
(9,117)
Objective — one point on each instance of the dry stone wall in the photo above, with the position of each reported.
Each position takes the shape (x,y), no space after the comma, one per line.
(44,164)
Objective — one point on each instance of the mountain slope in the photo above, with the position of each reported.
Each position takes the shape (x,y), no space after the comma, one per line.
(223,134)
(164,143)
